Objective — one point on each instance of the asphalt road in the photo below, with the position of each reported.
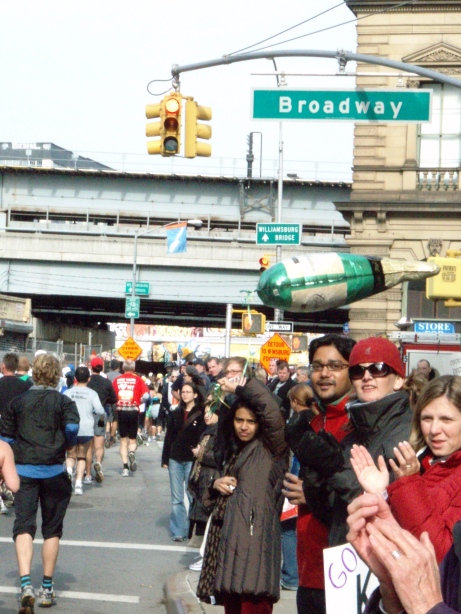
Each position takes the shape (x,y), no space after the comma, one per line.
(116,552)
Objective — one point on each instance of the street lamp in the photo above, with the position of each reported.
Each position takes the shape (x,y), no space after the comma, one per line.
(194,223)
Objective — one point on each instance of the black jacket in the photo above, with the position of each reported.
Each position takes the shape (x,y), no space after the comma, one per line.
(104,388)
(182,435)
(37,421)
(282,394)
(379,426)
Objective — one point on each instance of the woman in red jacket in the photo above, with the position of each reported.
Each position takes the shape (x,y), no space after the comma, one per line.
(427,497)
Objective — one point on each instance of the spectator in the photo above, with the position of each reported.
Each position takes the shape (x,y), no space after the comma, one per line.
(427,493)
(241,568)
(423,367)
(281,385)
(183,434)
(406,568)
(329,360)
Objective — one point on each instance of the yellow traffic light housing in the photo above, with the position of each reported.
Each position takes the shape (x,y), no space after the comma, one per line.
(253,323)
(264,263)
(168,128)
(195,130)
(446,284)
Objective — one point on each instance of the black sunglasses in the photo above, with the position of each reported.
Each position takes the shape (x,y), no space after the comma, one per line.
(376,369)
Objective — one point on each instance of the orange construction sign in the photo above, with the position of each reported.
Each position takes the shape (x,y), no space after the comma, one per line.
(275,347)
(130,350)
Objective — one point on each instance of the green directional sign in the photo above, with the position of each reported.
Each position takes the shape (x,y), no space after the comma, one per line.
(278,234)
(132,307)
(358,105)
(141,288)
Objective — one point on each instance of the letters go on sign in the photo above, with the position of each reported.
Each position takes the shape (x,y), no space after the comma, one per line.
(374,105)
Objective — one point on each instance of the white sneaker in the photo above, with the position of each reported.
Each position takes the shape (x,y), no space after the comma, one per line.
(125,473)
(78,490)
(197,566)
(88,479)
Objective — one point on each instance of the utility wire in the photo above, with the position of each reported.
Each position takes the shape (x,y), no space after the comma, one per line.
(287,30)
(394,6)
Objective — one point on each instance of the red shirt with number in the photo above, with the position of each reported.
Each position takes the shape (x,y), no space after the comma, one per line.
(129,389)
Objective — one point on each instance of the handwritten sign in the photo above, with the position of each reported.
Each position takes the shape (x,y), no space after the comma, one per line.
(348,581)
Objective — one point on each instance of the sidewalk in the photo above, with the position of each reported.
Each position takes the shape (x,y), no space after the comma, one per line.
(180,597)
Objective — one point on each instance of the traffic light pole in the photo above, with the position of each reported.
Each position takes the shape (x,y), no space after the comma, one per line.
(341,56)
(278,313)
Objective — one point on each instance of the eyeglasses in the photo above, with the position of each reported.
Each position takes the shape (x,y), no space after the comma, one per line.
(232,372)
(316,367)
(376,369)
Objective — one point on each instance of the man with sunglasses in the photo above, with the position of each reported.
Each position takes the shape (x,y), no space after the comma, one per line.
(380,418)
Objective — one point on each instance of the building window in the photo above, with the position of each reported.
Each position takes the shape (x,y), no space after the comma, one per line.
(440,139)
(419,307)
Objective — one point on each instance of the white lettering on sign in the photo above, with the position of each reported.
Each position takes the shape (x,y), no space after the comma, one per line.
(396,108)
(284,104)
(344,105)
(362,106)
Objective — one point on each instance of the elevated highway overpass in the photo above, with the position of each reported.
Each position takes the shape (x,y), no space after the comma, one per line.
(67,240)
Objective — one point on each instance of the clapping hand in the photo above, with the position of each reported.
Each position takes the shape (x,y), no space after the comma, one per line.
(408,461)
(373,479)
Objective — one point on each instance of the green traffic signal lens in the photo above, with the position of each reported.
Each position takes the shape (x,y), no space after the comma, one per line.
(170,144)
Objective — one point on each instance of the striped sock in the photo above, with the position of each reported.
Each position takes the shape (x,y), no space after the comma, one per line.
(47,582)
(25,580)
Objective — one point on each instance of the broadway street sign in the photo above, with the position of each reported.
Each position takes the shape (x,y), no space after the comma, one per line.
(378,105)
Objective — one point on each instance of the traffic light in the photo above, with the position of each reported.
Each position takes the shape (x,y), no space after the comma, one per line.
(253,323)
(195,130)
(264,263)
(447,283)
(168,128)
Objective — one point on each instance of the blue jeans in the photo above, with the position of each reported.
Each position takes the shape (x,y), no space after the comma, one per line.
(179,477)
(290,563)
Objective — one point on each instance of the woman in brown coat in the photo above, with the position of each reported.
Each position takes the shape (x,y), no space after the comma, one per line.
(241,568)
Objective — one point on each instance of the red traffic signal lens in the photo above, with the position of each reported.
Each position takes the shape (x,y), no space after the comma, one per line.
(171,123)
(172,106)
(263,263)
(170,144)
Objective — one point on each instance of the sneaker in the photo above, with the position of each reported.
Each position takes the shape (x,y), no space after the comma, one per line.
(88,479)
(197,566)
(107,442)
(3,508)
(78,490)
(178,538)
(288,587)
(125,473)
(151,439)
(132,460)
(98,471)
(139,439)
(46,597)
(27,599)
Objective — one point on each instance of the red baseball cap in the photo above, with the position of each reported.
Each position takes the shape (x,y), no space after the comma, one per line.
(97,361)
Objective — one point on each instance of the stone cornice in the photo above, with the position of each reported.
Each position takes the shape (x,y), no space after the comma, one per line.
(372,6)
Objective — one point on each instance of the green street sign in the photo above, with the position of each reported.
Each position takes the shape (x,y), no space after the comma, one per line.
(132,307)
(141,288)
(377,105)
(278,234)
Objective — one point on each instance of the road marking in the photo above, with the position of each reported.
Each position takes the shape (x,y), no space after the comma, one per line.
(84,596)
(122,546)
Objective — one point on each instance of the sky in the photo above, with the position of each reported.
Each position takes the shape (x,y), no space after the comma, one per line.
(76,74)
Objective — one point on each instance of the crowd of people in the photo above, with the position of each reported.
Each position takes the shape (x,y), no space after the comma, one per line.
(274,467)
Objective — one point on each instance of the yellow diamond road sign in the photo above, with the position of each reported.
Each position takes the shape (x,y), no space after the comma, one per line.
(130,350)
